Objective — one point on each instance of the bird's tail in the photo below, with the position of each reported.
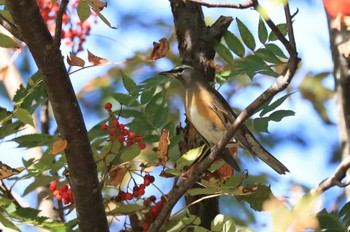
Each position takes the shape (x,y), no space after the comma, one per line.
(227,156)
(258,150)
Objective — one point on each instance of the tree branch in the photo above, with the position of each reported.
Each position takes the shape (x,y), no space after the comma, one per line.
(82,168)
(280,84)
(245,5)
(335,179)
(58,27)
(10,27)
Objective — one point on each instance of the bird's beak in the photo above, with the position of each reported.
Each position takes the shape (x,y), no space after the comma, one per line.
(168,73)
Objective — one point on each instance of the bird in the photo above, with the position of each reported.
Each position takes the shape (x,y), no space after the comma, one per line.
(211,115)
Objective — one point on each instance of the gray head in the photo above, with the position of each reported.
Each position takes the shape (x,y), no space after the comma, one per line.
(184,73)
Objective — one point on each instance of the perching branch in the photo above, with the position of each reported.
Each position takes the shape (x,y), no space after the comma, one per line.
(245,5)
(336,179)
(58,28)
(10,27)
(281,83)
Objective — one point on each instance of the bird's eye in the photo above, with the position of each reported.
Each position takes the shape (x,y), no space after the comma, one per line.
(180,70)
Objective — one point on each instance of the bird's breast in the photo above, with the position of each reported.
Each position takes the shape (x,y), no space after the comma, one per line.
(201,115)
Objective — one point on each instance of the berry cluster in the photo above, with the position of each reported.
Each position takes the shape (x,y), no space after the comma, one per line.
(137,191)
(118,131)
(64,192)
(154,210)
(72,28)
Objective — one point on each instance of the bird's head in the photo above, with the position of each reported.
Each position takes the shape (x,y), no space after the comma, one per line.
(184,73)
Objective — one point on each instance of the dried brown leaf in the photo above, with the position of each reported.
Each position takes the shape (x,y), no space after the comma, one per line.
(95,60)
(163,146)
(58,146)
(73,60)
(160,49)
(98,4)
(117,175)
(7,171)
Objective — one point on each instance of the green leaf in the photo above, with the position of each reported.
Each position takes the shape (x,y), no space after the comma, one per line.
(280,114)
(130,153)
(130,85)
(27,212)
(7,223)
(9,128)
(329,221)
(234,44)
(262,31)
(261,124)
(155,108)
(39,182)
(224,52)
(274,105)
(257,198)
(122,209)
(126,99)
(24,116)
(275,50)
(268,56)
(246,35)
(223,223)
(282,27)
(188,158)
(83,10)
(147,94)
(7,42)
(35,140)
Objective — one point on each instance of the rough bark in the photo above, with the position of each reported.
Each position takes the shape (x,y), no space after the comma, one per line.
(195,44)
(82,168)
(342,85)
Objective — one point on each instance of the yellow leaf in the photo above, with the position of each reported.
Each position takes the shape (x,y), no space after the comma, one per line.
(7,171)
(163,146)
(58,146)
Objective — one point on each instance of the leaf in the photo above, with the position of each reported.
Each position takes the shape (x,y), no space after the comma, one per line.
(163,146)
(246,35)
(24,116)
(103,18)
(256,196)
(261,124)
(282,27)
(160,49)
(223,223)
(126,209)
(116,175)
(7,171)
(130,153)
(7,223)
(188,158)
(34,140)
(95,60)
(155,106)
(274,105)
(147,94)
(58,146)
(268,56)
(7,42)
(100,5)
(275,50)
(39,182)
(280,114)
(262,31)
(73,60)
(234,44)
(83,10)
(126,99)
(223,52)
(130,85)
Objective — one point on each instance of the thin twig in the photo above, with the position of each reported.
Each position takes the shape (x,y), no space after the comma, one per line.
(12,28)
(245,5)
(335,179)
(58,28)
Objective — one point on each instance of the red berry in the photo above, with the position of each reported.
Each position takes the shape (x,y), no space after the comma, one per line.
(145,226)
(146,182)
(136,193)
(142,146)
(152,198)
(146,202)
(118,198)
(112,131)
(129,143)
(125,132)
(56,192)
(108,106)
(115,123)
(66,201)
(151,178)
(64,188)
(53,186)
(121,138)
(104,127)
(141,191)
(128,196)
(155,210)
(138,139)
(59,197)
(121,127)
(131,135)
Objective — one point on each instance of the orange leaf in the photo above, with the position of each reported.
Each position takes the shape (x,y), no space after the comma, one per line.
(73,60)
(95,60)
(58,146)
(117,175)
(160,49)
(7,171)
(163,146)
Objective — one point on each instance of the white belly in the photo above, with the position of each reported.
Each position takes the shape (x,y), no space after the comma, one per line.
(207,129)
